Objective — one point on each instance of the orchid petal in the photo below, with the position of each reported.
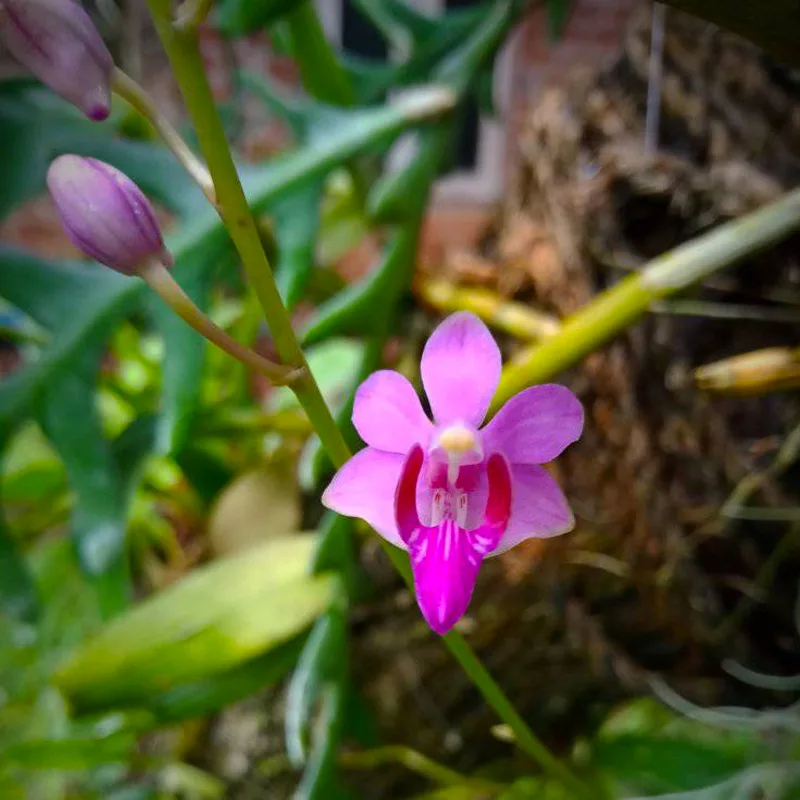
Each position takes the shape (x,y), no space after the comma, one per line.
(538,508)
(364,487)
(406,515)
(460,369)
(388,415)
(445,559)
(536,425)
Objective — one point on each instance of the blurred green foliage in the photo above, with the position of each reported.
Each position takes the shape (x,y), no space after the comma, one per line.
(121,432)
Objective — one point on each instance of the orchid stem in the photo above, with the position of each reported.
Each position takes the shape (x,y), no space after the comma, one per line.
(192,13)
(187,65)
(159,279)
(184,54)
(415,762)
(614,310)
(128,89)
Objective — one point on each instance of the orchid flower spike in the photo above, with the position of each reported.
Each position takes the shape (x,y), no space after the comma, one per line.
(105,214)
(58,42)
(451,492)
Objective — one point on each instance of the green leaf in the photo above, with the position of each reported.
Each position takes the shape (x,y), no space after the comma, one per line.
(130,449)
(398,21)
(344,223)
(320,780)
(297,216)
(360,723)
(322,662)
(660,764)
(461,67)
(335,550)
(641,716)
(50,293)
(557,16)
(69,754)
(399,197)
(216,618)
(240,17)
(429,41)
(484,91)
(69,607)
(37,126)
(320,71)
(31,469)
(365,130)
(18,596)
(184,349)
(308,119)
(204,697)
(371,79)
(352,312)
(535,789)
(99,518)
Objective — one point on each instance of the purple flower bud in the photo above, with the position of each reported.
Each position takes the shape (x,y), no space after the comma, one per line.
(105,214)
(58,42)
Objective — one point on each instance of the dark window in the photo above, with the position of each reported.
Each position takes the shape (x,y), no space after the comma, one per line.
(466,157)
(359,35)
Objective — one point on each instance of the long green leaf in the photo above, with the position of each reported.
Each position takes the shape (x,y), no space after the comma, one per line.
(660,764)
(297,218)
(69,754)
(322,661)
(204,697)
(184,348)
(218,617)
(70,421)
(240,17)
(77,303)
(36,127)
(17,591)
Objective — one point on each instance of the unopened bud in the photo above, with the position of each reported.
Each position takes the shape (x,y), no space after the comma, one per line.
(105,214)
(58,42)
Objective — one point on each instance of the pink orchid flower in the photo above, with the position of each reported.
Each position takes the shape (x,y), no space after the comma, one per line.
(451,492)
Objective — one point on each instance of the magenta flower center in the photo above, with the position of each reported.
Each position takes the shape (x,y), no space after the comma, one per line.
(445,554)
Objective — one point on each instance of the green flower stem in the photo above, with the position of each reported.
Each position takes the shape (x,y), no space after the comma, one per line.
(524,737)
(415,762)
(187,65)
(192,13)
(320,71)
(159,279)
(614,310)
(189,70)
(128,89)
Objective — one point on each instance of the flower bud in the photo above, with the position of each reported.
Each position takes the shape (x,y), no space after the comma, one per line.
(105,214)
(58,42)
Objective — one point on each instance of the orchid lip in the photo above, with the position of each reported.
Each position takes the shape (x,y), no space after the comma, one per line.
(445,556)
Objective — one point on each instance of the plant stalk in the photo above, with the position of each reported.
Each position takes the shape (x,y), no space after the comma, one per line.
(128,89)
(160,280)
(183,51)
(615,309)
(187,64)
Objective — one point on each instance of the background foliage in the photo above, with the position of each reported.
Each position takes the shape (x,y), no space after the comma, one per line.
(138,463)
